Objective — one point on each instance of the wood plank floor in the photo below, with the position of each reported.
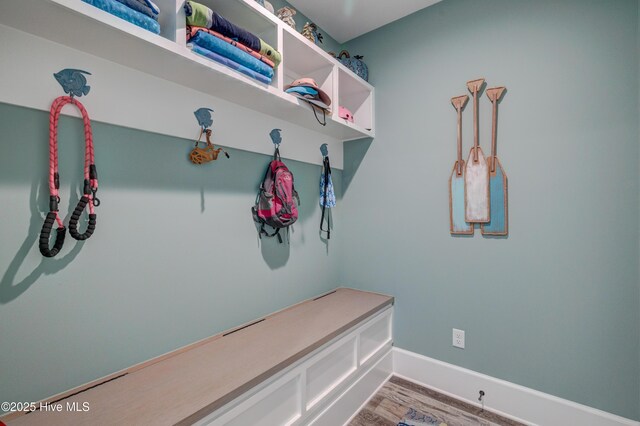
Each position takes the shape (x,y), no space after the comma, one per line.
(398,396)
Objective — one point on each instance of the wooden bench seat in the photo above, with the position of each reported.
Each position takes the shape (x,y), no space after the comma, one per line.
(186,385)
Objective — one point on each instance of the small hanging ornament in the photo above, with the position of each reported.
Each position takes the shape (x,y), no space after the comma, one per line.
(310,32)
(286,14)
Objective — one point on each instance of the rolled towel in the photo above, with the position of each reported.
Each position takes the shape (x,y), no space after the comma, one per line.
(270,52)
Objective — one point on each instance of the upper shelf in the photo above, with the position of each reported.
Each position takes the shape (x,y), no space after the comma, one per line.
(86,28)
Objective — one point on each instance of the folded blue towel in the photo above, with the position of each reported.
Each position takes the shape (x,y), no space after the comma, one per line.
(140,6)
(199,15)
(221,47)
(153,6)
(230,63)
(227,28)
(123,12)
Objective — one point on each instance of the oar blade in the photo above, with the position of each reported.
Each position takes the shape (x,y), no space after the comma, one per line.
(457,224)
(476,184)
(499,224)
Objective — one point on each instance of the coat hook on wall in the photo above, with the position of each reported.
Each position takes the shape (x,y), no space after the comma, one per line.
(324,149)
(73,82)
(203,115)
(276,138)
(209,152)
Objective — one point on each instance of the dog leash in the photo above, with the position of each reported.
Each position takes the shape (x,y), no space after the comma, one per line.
(90,183)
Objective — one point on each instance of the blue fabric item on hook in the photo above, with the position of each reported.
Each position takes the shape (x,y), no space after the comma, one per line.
(330,201)
(230,63)
(126,13)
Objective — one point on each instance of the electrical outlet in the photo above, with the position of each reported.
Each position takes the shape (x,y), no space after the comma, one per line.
(458,338)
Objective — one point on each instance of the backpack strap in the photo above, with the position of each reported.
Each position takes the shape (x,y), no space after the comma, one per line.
(266,173)
(263,231)
(275,234)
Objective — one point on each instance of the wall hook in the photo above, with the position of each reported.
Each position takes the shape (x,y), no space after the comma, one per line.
(324,149)
(209,152)
(276,138)
(203,115)
(73,82)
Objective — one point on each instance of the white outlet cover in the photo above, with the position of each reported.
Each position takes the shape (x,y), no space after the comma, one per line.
(458,338)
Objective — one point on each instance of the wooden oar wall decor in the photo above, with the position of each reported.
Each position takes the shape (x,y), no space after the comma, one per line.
(476,174)
(499,223)
(457,223)
(478,188)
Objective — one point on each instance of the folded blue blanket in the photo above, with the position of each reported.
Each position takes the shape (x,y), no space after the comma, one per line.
(221,47)
(140,6)
(231,64)
(233,31)
(199,15)
(123,12)
(152,5)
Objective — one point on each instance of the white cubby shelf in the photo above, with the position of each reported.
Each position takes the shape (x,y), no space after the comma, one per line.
(88,29)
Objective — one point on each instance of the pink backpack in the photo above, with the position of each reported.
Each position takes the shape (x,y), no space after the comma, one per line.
(275,205)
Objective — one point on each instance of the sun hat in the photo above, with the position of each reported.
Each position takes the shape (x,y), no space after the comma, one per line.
(343,112)
(309,82)
(303,90)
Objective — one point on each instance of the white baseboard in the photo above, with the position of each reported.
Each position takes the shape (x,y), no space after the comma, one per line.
(351,401)
(523,404)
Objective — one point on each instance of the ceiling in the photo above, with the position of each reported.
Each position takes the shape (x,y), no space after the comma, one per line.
(347,19)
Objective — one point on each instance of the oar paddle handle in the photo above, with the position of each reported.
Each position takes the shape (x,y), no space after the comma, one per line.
(475,86)
(494,94)
(459,102)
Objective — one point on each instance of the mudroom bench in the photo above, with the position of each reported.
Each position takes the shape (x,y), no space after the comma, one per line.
(314,363)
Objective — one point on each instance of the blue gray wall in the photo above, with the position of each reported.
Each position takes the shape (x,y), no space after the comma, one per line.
(555,306)
(172,261)
(175,256)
